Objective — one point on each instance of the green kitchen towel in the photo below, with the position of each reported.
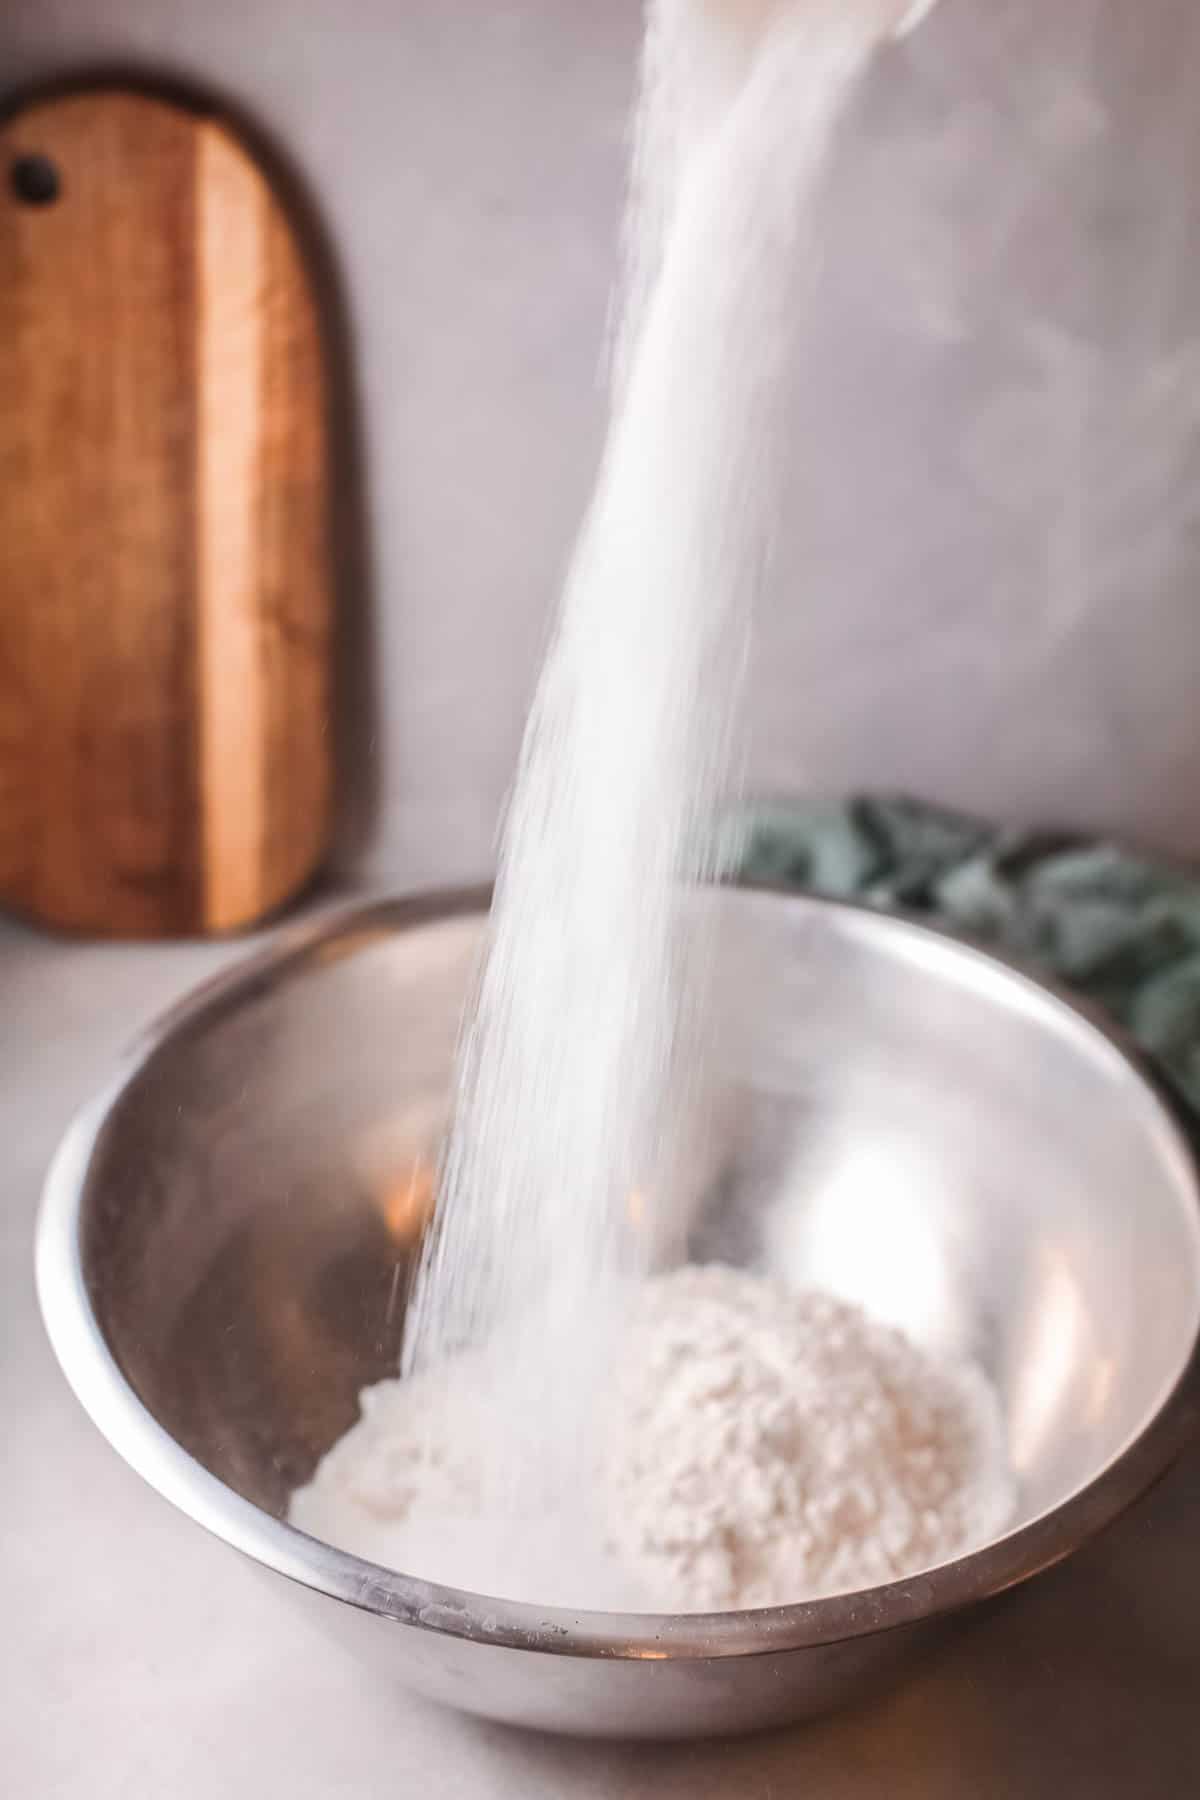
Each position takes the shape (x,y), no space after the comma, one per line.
(1121,929)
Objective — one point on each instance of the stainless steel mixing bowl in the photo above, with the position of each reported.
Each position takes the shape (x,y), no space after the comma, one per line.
(227,1232)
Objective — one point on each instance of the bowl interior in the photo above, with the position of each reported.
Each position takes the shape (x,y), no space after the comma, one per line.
(894,1117)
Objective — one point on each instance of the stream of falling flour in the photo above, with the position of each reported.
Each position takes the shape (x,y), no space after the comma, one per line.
(573,1095)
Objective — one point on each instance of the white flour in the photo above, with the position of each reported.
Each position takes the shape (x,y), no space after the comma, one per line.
(767,1447)
(569,1094)
(703,1439)
(759,1448)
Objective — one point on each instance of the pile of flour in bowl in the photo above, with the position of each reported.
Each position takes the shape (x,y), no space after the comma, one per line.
(757,1448)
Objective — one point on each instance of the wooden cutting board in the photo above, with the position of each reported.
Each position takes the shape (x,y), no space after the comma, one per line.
(165,583)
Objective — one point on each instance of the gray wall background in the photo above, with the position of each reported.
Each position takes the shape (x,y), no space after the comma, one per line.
(986,590)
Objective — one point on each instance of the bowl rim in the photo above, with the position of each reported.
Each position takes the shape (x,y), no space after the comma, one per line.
(135,1433)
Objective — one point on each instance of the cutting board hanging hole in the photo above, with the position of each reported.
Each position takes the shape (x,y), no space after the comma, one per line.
(35,180)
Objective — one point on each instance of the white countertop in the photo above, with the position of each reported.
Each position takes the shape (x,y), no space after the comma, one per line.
(146,1660)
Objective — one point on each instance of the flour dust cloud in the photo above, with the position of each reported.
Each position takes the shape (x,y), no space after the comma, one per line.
(569,1093)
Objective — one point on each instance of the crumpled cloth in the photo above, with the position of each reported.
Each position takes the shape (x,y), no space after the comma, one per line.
(1117,927)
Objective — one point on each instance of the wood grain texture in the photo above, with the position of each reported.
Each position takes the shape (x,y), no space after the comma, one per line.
(165,588)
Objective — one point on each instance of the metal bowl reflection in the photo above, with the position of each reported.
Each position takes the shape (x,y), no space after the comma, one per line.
(227,1233)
